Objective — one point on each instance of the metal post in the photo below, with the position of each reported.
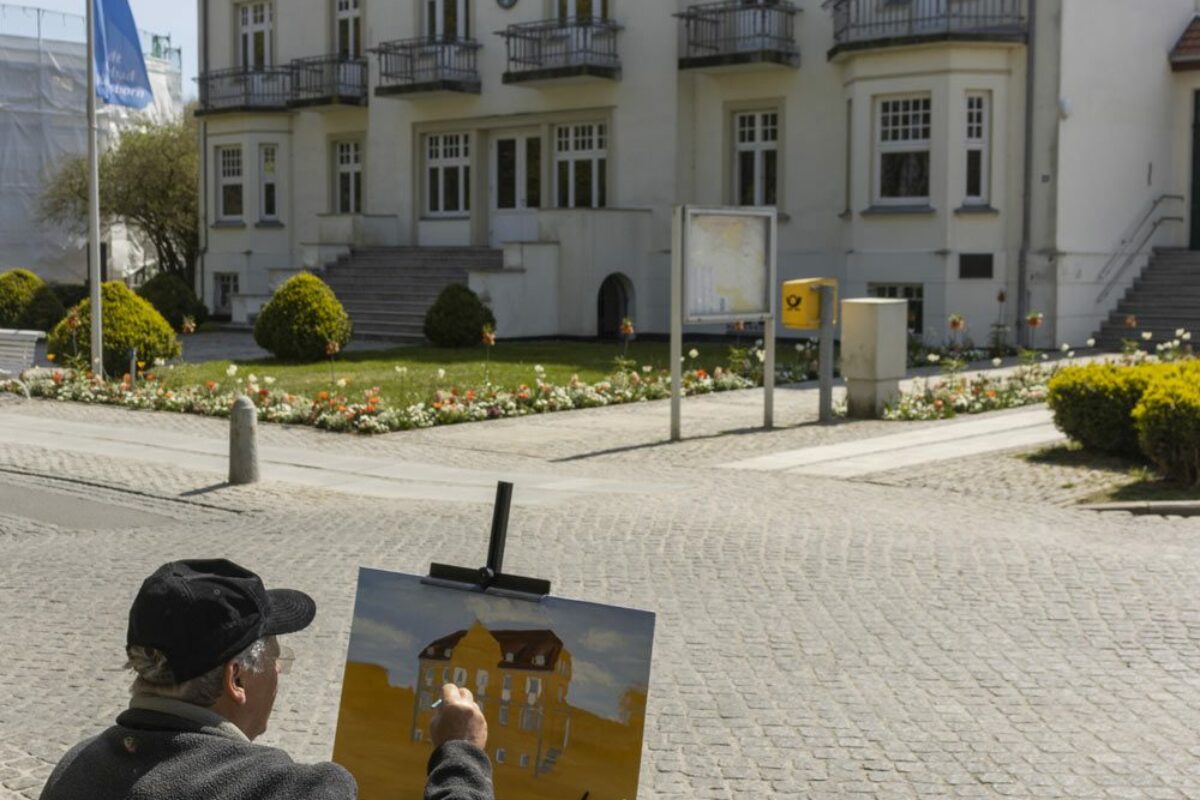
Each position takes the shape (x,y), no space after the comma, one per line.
(825,364)
(677,325)
(97,340)
(769,374)
(495,561)
(243,442)
(133,370)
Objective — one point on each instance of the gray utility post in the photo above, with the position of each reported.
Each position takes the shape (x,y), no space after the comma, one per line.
(825,363)
(243,442)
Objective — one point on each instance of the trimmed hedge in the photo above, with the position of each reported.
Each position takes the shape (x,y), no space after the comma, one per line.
(174,299)
(27,302)
(457,317)
(1168,427)
(301,319)
(129,322)
(1094,404)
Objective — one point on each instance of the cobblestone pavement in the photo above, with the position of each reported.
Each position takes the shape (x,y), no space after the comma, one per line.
(816,638)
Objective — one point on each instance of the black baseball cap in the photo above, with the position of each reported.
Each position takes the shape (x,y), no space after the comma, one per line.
(202,613)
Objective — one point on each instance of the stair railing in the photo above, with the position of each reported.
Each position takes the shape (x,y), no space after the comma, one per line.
(1122,258)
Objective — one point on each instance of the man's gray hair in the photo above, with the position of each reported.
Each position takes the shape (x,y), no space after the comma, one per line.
(154,675)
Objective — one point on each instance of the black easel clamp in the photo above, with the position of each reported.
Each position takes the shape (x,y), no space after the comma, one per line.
(491,578)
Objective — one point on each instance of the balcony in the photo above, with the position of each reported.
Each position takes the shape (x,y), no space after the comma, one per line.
(234,90)
(871,24)
(734,33)
(556,50)
(329,80)
(430,65)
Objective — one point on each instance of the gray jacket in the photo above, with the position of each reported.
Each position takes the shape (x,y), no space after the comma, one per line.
(152,754)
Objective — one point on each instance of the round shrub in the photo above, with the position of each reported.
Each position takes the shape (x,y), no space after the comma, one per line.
(1168,426)
(457,317)
(1094,404)
(174,299)
(301,319)
(17,290)
(129,322)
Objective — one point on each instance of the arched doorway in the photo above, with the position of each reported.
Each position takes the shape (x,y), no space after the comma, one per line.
(614,303)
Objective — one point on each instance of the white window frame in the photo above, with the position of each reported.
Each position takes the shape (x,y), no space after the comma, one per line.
(230,172)
(253,18)
(348,13)
(533,686)
(435,20)
(445,151)
(581,142)
(460,677)
(268,175)
(911,292)
(348,160)
(893,134)
(978,108)
(756,132)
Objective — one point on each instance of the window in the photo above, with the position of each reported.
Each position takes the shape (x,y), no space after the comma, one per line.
(448,175)
(581,165)
(418,735)
(429,676)
(978,124)
(913,293)
(229,183)
(533,686)
(348,158)
(524,759)
(902,151)
(539,660)
(756,159)
(582,9)
(349,29)
(500,755)
(447,20)
(508,678)
(225,286)
(530,719)
(504,714)
(268,189)
(254,35)
(975,266)
(460,676)
(481,682)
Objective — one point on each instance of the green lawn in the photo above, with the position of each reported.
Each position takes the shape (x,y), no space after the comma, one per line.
(512,364)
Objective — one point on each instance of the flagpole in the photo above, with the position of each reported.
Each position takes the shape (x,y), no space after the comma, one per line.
(94,198)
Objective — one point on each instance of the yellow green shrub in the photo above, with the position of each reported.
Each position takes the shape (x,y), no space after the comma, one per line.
(1168,425)
(1094,404)
(128,321)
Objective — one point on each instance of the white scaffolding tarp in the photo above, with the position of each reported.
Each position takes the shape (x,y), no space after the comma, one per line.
(43,120)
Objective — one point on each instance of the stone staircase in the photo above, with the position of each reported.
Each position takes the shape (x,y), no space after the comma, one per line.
(387,290)
(1165,298)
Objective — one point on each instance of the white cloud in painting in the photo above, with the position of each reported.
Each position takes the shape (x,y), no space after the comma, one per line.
(585,672)
(496,614)
(379,634)
(601,640)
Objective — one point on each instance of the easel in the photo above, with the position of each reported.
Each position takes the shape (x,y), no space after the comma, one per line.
(491,578)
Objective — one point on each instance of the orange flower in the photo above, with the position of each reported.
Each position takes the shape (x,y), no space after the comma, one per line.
(332,349)
(50,356)
(627,327)
(212,385)
(489,336)
(701,374)
(1131,321)
(470,395)
(322,396)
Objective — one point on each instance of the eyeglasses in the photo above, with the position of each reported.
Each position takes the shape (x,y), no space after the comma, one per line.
(283,661)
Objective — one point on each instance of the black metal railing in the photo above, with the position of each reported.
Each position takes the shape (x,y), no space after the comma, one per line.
(329,78)
(871,20)
(265,88)
(735,27)
(428,60)
(559,44)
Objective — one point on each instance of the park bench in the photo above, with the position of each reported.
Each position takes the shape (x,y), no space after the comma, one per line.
(17,349)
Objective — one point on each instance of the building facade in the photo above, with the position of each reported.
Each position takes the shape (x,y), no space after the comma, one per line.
(982,157)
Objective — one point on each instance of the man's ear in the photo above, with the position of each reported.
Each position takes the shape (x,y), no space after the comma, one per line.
(232,683)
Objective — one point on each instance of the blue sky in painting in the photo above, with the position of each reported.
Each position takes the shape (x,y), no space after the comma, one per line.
(395,615)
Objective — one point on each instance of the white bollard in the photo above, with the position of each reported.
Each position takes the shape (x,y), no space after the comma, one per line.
(874,354)
(243,442)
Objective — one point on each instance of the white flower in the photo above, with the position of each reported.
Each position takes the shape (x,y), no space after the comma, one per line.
(160,362)
(401,371)
(1065,347)
(441,373)
(253,378)
(1176,344)
(1179,332)
(1091,342)
(799,348)
(758,343)
(1147,335)
(1045,357)
(693,353)
(647,369)
(1187,337)
(231,371)
(341,384)
(1070,354)
(760,355)
(996,362)
(934,358)
(269,381)
(539,369)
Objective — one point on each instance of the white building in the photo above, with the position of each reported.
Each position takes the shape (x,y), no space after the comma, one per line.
(890,134)
(43,119)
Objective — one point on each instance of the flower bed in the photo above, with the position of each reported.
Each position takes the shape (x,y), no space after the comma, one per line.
(954,394)
(367,413)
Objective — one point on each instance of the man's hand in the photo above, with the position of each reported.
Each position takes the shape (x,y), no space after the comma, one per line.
(458,719)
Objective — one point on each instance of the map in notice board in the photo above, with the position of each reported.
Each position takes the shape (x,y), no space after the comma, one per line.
(727,266)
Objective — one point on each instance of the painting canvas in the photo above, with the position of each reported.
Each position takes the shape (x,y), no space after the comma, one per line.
(562,683)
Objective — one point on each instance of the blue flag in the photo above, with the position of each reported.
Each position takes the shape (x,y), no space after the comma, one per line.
(121,76)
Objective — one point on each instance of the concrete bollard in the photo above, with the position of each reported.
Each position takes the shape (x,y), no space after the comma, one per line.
(874,354)
(243,442)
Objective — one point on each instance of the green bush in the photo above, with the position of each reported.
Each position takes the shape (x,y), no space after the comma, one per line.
(1168,425)
(128,322)
(301,319)
(44,311)
(174,299)
(1094,404)
(17,290)
(457,317)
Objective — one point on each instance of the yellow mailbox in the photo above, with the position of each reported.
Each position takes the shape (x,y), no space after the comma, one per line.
(802,303)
